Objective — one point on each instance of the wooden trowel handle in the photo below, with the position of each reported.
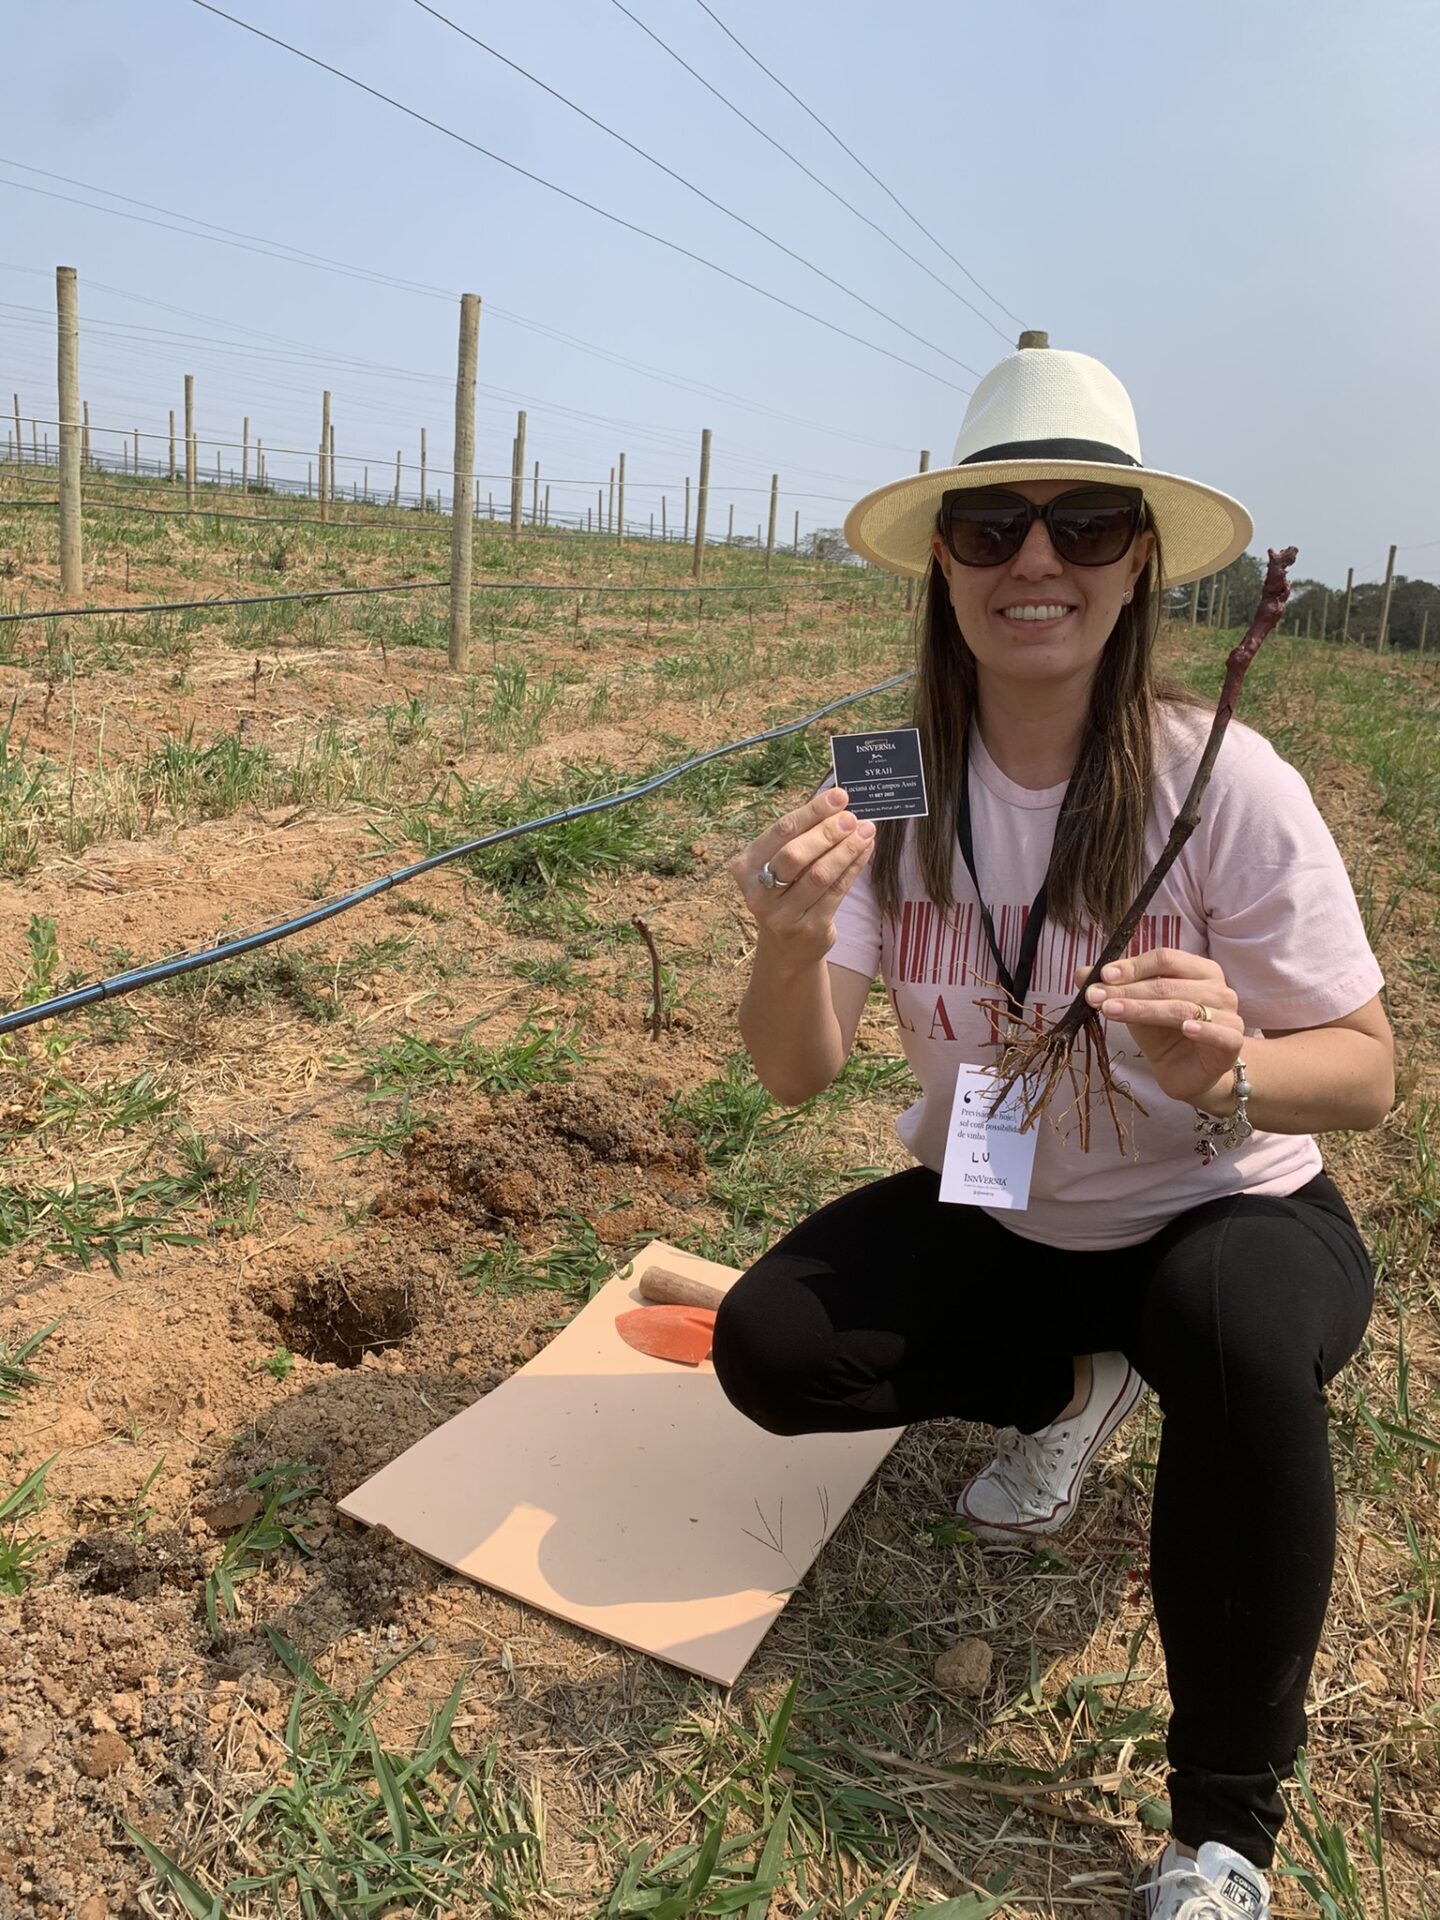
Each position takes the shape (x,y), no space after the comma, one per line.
(665,1288)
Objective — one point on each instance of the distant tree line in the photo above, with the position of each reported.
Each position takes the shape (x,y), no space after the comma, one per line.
(1317,609)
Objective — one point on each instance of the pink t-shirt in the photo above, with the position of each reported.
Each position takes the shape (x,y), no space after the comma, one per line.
(1259,886)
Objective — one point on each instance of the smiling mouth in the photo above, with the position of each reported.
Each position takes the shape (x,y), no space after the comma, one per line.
(1035,615)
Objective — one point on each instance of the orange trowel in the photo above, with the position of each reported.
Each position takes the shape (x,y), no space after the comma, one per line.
(679,1324)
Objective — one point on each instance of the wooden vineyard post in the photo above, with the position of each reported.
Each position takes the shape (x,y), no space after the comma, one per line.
(172,446)
(535,498)
(924,467)
(67,312)
(1424,625)
(797,532)
(687,505)
(774,505)
(702,501)
(730,529)
(424,499)
(190,443)
(600,510)
(610,516)
(517,468)
(1382,638)
(259,463)
(517,475)
(1345,621)
(135,456)
(545,514)
(85,436)
(1194,601)
(620,532)
(1325,613)
(462,524)
(245,455)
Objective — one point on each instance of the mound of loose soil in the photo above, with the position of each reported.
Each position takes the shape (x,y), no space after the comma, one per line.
(598,1148)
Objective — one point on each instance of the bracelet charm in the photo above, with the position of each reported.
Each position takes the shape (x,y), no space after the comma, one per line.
(1230,1132)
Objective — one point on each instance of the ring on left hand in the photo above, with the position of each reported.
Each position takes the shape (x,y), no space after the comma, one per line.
(1203,1012)
(770,880)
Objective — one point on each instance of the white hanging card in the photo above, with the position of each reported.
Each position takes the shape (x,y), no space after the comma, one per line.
(988,1161)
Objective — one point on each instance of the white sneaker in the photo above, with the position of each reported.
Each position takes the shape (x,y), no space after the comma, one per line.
(1033,1482)
(1219,1884)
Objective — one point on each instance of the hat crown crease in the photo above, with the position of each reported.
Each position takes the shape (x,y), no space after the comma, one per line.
(1048,396)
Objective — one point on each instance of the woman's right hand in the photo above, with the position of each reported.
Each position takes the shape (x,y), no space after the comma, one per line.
(816,853)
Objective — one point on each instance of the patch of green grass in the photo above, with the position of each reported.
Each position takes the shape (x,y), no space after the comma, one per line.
(352,1827)
(580,1264)
(107,1220)
(18,1553)
(533,1057)
(14,1370)
(1329,1876)
(249,1548)
(388,1135)
(192,782)
(767,1169)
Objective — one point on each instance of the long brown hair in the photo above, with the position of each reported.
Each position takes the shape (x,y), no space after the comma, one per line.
(1100,840)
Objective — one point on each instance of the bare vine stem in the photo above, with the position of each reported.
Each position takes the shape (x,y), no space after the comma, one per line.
(1040,1063)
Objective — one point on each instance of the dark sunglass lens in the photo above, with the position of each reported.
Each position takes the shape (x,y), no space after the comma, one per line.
(983,533)
(1091,530)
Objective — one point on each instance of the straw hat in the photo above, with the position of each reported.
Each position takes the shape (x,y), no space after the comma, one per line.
(1048,415)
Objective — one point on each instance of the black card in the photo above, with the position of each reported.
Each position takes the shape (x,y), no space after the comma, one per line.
(881,772)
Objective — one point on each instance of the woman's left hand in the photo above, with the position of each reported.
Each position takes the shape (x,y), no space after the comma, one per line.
(1158,996)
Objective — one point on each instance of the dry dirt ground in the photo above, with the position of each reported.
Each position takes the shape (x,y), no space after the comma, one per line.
(385,1206)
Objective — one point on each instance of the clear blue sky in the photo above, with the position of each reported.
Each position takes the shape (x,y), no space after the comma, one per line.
(1233,206)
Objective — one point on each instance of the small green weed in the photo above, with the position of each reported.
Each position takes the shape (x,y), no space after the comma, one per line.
(247,1550)
(18,1555)
(14,1373)
(534,1056)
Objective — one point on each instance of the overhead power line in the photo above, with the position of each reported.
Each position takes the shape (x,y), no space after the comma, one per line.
(630,226)
(320,263)
(757,61)
(796,161)
(690,186)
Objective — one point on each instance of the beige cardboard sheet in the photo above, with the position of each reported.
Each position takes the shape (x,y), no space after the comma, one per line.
(625,1493)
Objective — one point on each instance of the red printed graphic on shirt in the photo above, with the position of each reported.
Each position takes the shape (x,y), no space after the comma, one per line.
(930,946)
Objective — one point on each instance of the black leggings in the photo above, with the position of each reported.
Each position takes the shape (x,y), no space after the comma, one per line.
(888,1307)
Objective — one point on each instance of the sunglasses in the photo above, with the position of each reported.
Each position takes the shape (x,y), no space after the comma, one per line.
(1088,527)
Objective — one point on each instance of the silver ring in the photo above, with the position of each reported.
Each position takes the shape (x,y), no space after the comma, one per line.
(768,880)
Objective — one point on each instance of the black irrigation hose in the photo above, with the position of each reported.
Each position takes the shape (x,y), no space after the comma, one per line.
(409,586)
(121,983)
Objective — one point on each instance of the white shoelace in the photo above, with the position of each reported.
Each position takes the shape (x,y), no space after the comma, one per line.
(1026,1463)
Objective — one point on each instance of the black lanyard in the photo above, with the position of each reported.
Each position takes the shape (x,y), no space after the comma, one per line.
(1016,984)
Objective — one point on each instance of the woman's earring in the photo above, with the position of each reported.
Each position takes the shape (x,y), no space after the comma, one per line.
(1126,597)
